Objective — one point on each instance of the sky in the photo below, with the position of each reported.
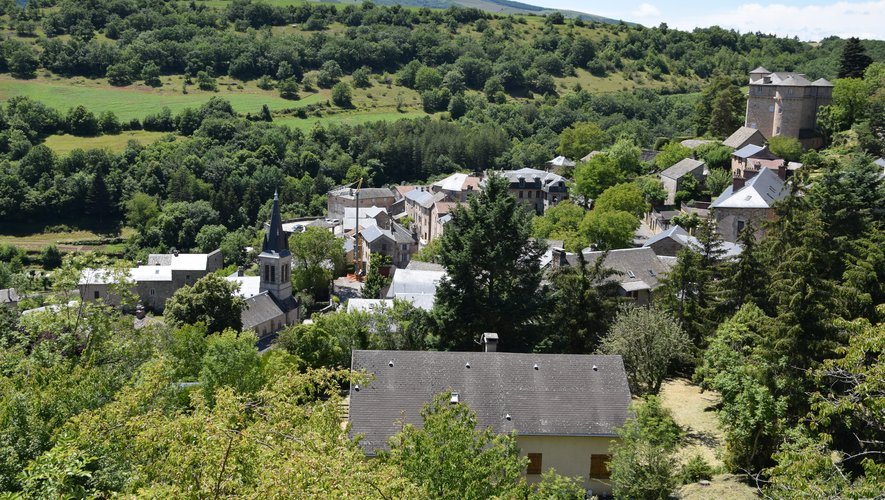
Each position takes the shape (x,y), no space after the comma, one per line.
(810,20)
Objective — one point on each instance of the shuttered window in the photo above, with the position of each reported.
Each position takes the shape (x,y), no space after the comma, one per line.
(534,464)
(599,466)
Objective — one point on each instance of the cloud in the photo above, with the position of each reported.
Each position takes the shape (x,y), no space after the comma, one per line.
(646,10)
(809,22)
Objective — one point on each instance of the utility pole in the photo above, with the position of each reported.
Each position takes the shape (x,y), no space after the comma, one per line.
(358,261)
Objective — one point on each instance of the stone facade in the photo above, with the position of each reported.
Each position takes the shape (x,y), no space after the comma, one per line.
(786,104)
(536,189)
(339,199)
(731,221)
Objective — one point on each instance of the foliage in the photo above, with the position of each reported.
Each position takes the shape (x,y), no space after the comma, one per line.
(596,175)
(560,222)
(622,197)
(317,256)
(342,96)
(854,59)
(718,181)
(671,154)
(212,300)
(788,148)
(580,139)
(720,110)
(492,270)
(650,341)
(608,230)
(695,469)
(642,462)
(376,282)
(231,360)
(51,257)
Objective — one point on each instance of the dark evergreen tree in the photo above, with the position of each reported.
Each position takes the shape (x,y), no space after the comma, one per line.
(854,59)
(493,272)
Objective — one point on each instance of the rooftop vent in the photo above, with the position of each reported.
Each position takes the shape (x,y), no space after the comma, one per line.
(595,368)
(456,398)
(507,417)
(467,365)
(489,342)
(356,388)
(390,363)
(536,366)
(630,274)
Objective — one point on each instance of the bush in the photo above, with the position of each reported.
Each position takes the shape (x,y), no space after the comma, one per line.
(695,469)
(108,123)
(361,78)
(206,82)
(51,257)
(289,89)
(341,95)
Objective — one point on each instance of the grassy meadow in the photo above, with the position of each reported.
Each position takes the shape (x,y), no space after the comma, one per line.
(63,144)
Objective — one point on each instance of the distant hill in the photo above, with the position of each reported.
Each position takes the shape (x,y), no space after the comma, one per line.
(498,7)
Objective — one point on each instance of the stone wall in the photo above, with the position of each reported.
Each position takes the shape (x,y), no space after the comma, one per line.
(730,221)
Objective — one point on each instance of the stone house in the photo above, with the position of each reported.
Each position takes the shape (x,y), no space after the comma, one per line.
(153,283)
(744,136)
(639,270)
(668,243)
(396,242)
(345,197)
(749,200)
(457,187)
(564,408)
(419,206)
(673,177)
(785,103)
(754,157)
(537,189)
(440,216)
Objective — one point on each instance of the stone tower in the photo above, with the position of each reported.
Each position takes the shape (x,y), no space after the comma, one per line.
(786,104)
(275,260)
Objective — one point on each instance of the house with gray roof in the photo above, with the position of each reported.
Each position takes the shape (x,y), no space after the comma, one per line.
(419,204)
(749,200)
(638,270)
(744,136)
(755,157)
(673,177)
(396,242)
(340,198)
(564,408)
(537,189)
(668,243)
(457,187)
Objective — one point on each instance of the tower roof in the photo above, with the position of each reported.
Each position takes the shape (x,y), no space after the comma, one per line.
(275,238)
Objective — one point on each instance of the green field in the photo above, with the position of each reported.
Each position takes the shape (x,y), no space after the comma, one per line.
(137,101)
(63,144)
(306,124)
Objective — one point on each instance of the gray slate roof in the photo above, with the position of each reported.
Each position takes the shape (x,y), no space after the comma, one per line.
(565,396)
(8,296)
(683,167)
(365,193)
(424,198)
(639,268)
(681,237)
(754,151)
(259,308)
(761,191)
(742,135)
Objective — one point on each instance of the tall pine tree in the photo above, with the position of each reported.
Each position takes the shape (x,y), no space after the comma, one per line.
(854,59)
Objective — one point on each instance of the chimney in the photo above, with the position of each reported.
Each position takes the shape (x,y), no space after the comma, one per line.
(559,257)
(175,252)
(737,181)
(782,170)
(240,271)
(489,342)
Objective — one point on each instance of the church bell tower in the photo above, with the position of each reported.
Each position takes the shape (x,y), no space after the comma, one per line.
(275,259)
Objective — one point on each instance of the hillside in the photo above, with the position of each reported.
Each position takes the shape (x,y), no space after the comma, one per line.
(499,7)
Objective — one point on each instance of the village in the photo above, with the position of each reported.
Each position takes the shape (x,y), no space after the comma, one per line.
(564,407)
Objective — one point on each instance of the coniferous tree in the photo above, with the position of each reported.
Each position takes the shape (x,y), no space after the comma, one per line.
(493,271)
(854,59)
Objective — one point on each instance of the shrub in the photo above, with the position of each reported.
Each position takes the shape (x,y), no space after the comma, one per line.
(695,469)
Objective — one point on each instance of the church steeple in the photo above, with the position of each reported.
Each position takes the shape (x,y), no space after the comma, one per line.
(275,259)
(275,239)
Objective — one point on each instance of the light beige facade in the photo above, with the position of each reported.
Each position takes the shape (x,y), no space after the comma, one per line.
(570,456)
(784,103)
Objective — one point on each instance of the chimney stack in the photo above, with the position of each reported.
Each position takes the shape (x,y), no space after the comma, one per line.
(559,259)
(782,170)
(240,271)
(489,342)
(737,181)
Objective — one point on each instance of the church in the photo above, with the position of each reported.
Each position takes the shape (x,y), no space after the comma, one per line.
(270,305)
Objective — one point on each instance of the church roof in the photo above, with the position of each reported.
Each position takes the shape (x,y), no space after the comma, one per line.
(275,240)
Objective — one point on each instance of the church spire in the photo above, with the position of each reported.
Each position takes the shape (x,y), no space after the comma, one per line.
(275,239)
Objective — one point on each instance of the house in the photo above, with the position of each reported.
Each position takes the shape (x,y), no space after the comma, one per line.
(564,408)
(341,198)
(561,164)
(744,136)
(440,216)
(152,283)
(785,103)
(9,297)
(395,242)
(673,177)
(417,285)
(669,242)
(270,305)
(750,199)
(370,216)
(536,188)
(639,269)
(457,187)
(419,206)
(755,157)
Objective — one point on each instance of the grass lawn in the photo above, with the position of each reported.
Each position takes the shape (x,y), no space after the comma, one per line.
(66,241)
(136,101)
(306,124)
(63,144)
(694,412)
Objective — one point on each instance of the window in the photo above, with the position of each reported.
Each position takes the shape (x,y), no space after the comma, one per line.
(529,194)
(273,274)
(266,273)
(740,225)
(599,466)
(152,291)
(534,464)
(520,195)
(97,294)
(771,108)
(187,277)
